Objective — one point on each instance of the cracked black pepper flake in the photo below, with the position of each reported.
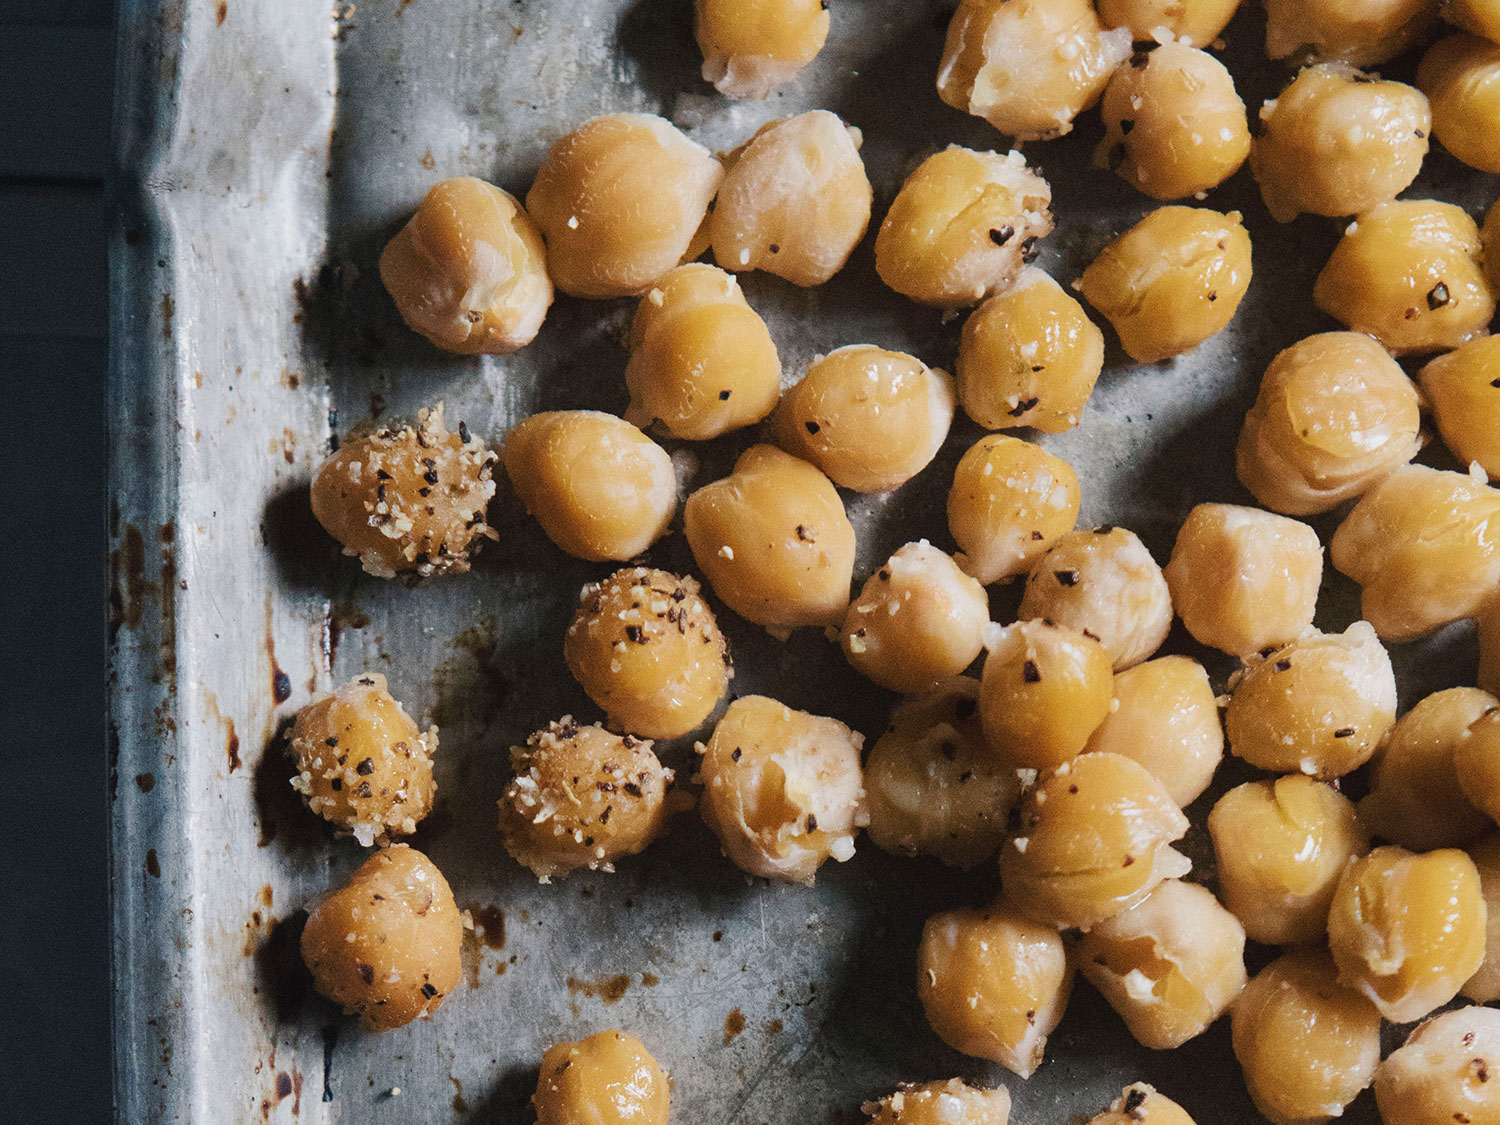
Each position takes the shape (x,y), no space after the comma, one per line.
(605,786)
(775,248)
(1139,59)
(802,533)
(812,427)
(1344,732)
(428,990)
(967,775)
(735,757)
(1283,665)
(1031,673)
(1438,296)
(604,816)
(1003,235)
(365,768)
(812,823)
(363,790)
(633,789)
(1134,1099)
(1066,577)
(367,973)
(1128,861)
(1037,536)
(463,432)
(635,633)
(1023,406)
(723,396)
(336,784)
(333,741)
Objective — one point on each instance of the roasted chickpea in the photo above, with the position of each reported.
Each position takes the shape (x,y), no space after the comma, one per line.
(1045,689)
(1281,845)
(795,200)
(1334,415)
(1096,836)
(1010,501)
(953,1102)
(993,983)
(871,419)
(702,361)
(750,48)
(645,647)
(1482,17)
(1362,32)
(1461,76)
(1463,391)
(1476,757)
(1171,281)
(1423,544)
(1442,1073)
(408,501)
(1141,1104)
(1195,23)
(1028,67)
(581,797)
(773,540)
(607,1079)
(1489,645)
(385,945)
(1243,580)
(782,789)
(1484,986)
(962,226)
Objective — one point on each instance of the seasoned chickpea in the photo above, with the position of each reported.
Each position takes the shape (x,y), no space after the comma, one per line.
(918,620)
(1045,689)
(993,983)
(1096,836)
(607,1079)
(1010,501)
(1423,544)
(1171,281)
(1489,645)
(773,540)
(782,789)
(1141,1104)
(645,647)
(1442,1073)
(932,786)
(752,46)
(953,1102)
(1476,757)
(1463,391)
(702,361)
(1165,716)
(962,227)
(871,419)
(1484,986)
(1461,76)
(1243,580)
(1170,965)
(1193,22)
(1334,415)
(1362,32)
(1104,583)
(408,501)
(1482,17)
(581,797)
(795,200)
(385,945)
(1028,67)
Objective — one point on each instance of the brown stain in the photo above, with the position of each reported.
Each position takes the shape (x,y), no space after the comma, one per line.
(401,9)
(281,683)
(266,895)
(221,13)
(153,865)
(232,738)
(734,1023)
(609,990)
(650,980)
(288,446)
(291,380)
(426,160)
(167,654)
(489,925)
(283,1085)
(128,585)
(775,1027)
(458,1103)
(167,310)
(296,1092)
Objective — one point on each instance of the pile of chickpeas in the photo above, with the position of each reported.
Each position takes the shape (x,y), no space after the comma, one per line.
(1061,746)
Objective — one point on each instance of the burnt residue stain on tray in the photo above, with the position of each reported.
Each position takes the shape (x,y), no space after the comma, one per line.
(145,782)
(489,925)
(232,747)
(153,865)
(734,1023)
(458,1103)
(608,990)
(128,586)
(166,657)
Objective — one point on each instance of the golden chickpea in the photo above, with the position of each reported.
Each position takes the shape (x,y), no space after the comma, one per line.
(752,46)
(385,945)
(1243,580)
(1482,17)
(1010,501)
(1171,281)
(993,984)
(581,797)
(607,1079)
(1463,391)
(1489,645)
(962,227)
(1484,986)
(1476,757)
(702,361)
(1361,32)
(782,789)
(1461,76)
(1045,689)
(1423,544)
(795,200)
(953,1102)
(645,647)
(773,540)
(1195,23)
(408,501)
(871,419)
(1442,1073)
(1096,836)
(1141,1104)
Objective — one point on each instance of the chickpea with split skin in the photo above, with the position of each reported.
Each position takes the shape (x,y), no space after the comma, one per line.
(1141,1104)
(953,1102)
(752,46)
(1444,1072)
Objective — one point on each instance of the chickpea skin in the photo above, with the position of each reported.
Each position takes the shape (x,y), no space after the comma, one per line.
(1045,690)
(1481,17)
(1196,23)
(1463,392)
(1361,32)
(1484,986)
(607,1079)
(1461,77)
(1010,501)
(1476,757)
(1141,1104)
(750,48)
(1442,1073)
(953,1102)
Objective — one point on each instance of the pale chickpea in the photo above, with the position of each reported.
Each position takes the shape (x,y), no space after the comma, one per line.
(1482,17)
(1335,414)
(752,46)
(1045,690)
(1484,986)
(953,1102)
(773,540)
(1010,501)
(1196,23)
(620,201)
(702,361)
(1171,281)
(795,200)
(870,418)
(1442,1073)
(993,983)
(1243,580)
(1489,644)
(1463,392)
(1140,1104)
(782,789)
(1362,32)
(1461,77)
(1476,757)
(962,227)
(607,1079)
(600,488)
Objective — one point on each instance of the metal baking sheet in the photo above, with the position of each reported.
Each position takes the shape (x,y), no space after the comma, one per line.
(266,149)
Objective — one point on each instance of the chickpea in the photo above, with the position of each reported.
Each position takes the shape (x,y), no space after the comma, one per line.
(408,501)
(1484,986)
(1361,32)
(1461,75)
(871,419)
(795,200)
(385,945)
(581,797)
(933,788)
(953,1102)
(362,764)
(1306,1043)
(1165,716)
(993,984)
(1028,67)
(962,227)
(1335,414)
(1045,689)
(1029,357)
(1243,580)
(1463,391)
(773,540)
(607,1079)
(1097,840)
(1104,583)
(1195,23)
(1442,1073)
(750,48)
(782,789)
(1489,645)
(645,647)
(1423,545)
(1482,17)
(1476,757)
(1171,281)
(1010,501)
(1141,1104)
(918,620)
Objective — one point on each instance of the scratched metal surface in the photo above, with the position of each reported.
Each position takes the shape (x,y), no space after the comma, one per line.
(264,152)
